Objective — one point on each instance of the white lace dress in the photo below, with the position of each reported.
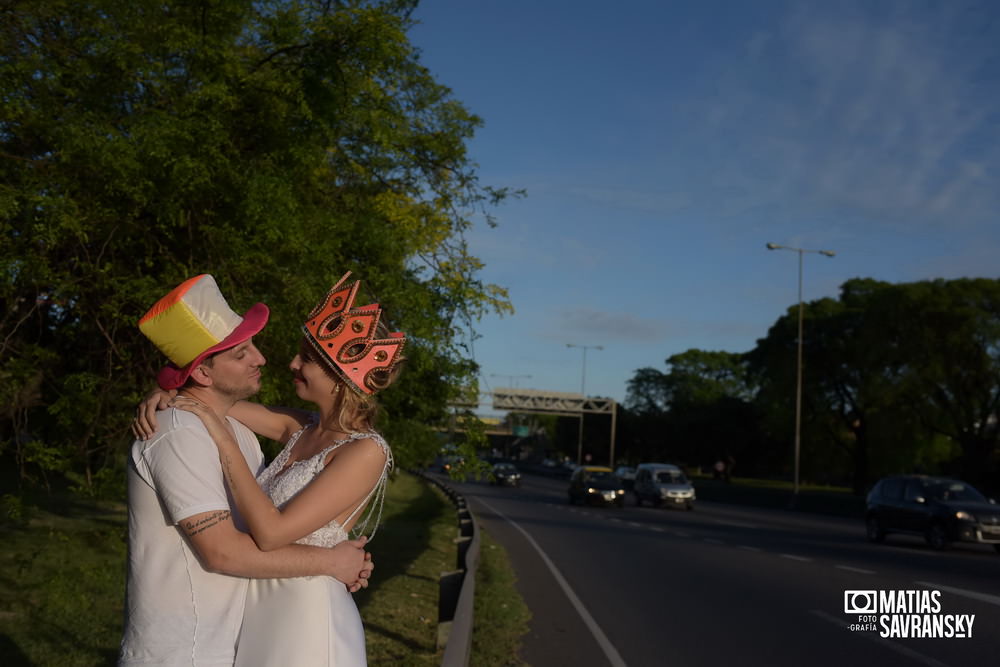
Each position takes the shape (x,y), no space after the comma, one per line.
(306,621)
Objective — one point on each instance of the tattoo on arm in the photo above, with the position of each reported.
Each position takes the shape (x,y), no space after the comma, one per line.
(192,528)
(227,467)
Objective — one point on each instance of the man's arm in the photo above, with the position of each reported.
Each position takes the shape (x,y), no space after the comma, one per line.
(224,549)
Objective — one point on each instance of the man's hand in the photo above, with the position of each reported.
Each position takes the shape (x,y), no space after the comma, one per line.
(144,424)
(351,564)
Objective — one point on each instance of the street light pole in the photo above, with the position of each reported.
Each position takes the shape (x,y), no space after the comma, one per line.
(583,393)
(798,364)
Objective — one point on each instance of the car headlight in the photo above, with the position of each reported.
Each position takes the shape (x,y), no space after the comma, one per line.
(964,516)
(621,492)
(591,490)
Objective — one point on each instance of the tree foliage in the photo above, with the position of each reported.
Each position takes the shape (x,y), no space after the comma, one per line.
(896,377)
(274,144)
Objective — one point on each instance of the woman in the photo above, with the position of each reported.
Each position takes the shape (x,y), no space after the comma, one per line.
(333,465)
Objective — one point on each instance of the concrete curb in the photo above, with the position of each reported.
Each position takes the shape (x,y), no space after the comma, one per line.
(458,587)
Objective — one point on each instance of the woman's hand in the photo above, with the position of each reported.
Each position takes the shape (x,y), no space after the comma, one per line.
(213,423)
(144,424)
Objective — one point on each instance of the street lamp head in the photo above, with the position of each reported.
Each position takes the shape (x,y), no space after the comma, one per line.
(828,253)
(773,246)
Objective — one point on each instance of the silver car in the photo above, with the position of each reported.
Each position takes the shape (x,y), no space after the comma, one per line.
(663,484)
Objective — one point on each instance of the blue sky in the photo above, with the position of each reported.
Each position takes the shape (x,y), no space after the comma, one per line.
(662,144)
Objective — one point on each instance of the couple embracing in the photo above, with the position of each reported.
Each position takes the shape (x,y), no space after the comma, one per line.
(231,562)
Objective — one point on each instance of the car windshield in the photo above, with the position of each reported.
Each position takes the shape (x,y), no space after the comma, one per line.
(504,467)
(600,476)
(949,490)
(670,477)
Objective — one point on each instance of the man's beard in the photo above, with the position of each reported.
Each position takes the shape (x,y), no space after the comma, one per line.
(236,392)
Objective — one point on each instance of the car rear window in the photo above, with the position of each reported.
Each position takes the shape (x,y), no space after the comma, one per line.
(891,489)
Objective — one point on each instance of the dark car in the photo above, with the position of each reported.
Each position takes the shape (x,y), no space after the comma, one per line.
(505,474)
(942,510)
(596,485)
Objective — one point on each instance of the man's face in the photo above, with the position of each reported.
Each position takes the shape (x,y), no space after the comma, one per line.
(235,372)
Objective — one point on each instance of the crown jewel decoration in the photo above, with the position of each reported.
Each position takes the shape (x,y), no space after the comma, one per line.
(345,336)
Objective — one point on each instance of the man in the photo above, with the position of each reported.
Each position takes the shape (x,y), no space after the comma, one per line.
(188,560)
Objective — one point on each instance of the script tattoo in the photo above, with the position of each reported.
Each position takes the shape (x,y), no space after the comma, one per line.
(227,467)
(192,528)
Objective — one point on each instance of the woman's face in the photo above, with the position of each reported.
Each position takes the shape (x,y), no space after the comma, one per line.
(312,383)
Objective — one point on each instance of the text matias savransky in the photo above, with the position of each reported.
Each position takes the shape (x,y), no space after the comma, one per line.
(905,614)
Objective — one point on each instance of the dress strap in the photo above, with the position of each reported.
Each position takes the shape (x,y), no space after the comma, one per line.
(378,490)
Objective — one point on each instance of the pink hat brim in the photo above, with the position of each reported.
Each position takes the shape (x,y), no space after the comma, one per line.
(172,377)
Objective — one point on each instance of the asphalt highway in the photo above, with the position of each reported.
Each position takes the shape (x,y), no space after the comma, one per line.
(728,584)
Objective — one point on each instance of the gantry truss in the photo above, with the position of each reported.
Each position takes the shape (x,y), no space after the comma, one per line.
(550,402)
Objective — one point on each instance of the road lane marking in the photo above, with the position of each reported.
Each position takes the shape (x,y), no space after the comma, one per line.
(657,529)
(898,648)
(736,524)
(854,569)
(680,534)
(634,524)
(982,597)
(610,652)
(746,548)
(798,558)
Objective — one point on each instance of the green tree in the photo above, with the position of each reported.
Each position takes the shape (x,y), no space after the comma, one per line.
(945,335)
(698,410)
(895,377)
(274,144)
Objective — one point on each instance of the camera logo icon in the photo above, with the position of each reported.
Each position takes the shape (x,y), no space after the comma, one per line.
(860,602)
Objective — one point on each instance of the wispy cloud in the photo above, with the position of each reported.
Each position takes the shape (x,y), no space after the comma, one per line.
(888,112)
(590,326)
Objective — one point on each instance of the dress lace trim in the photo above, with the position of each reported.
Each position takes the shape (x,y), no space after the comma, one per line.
(282,481)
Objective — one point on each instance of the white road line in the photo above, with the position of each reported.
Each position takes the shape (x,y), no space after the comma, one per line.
(873,636)
(615,520)
(634,524)
(656,528)
(798,558)
(854,569)
(982,597)
(736,524)
(746,548)
(680,534)
(609,650)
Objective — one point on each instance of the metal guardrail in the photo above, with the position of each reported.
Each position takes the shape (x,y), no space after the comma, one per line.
(457,589)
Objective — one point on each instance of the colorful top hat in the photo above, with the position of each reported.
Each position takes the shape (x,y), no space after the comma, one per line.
(193,322)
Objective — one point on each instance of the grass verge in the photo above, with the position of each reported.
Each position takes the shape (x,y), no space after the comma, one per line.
(412,548)
(834,501)
(501,617)
(62,585)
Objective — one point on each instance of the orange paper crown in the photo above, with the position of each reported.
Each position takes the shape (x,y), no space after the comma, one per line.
(345,336)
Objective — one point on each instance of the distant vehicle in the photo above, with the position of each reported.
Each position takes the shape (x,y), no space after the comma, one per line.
(626,474)
(446,463)
(506,474)
(942,510)
(595,485)
(663,484)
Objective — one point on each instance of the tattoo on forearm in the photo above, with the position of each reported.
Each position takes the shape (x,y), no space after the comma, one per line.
(192,528)
(227,467)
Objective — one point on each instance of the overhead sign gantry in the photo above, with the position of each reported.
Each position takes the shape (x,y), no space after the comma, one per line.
(557,403)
